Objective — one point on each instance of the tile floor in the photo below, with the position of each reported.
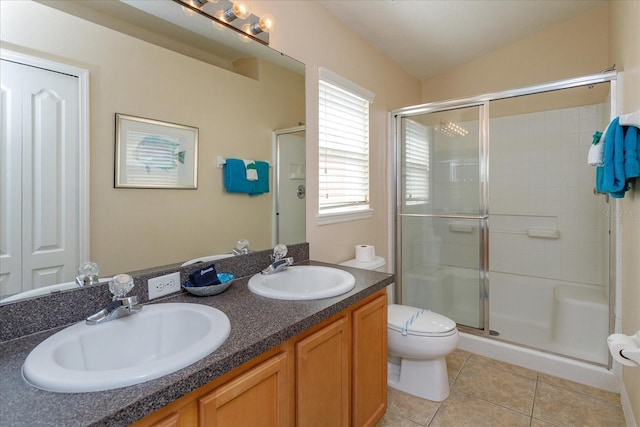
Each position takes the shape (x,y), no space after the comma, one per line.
(486,392)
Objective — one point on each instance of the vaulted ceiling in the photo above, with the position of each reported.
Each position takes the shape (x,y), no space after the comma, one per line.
(427,37)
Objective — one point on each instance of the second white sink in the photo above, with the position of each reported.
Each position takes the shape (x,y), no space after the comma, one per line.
(160,339)
(303,282)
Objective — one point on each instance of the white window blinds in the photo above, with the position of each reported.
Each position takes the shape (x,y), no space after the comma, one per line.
(343,144)
(416,147)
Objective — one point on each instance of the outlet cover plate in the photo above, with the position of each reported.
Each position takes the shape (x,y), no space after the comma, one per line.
(164,285)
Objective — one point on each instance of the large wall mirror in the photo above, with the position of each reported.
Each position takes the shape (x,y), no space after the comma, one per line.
(239,94)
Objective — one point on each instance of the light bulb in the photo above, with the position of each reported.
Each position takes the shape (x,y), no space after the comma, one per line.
(198,4)
(264,25)
(267,22)
(238,10)
(241,10)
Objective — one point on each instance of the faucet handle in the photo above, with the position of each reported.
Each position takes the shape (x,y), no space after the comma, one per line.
(88,274)
(279,251)
(120,285)
(242,245)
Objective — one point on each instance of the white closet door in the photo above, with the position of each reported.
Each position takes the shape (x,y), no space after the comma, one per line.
(47,132)
(10,183)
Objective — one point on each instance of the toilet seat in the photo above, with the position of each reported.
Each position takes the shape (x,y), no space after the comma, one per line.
(409,320)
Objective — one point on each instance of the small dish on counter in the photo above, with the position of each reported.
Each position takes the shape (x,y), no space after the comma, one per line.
(206,291)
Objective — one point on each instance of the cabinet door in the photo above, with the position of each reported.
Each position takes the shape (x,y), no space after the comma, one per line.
(172,420)
(185,417)
(323,377)
(370,362)
(259,397)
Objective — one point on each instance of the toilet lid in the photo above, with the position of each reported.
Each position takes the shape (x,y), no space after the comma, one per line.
(417,321)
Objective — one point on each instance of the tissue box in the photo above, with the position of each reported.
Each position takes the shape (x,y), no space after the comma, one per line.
(206,276)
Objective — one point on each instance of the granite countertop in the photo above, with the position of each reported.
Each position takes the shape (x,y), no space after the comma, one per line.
(257,325)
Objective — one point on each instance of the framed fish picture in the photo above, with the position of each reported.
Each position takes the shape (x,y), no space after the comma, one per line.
(155,154)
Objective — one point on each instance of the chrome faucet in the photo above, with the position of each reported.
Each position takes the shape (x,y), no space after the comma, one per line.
(242,247)
(278,261)
(120,305)
(88,274)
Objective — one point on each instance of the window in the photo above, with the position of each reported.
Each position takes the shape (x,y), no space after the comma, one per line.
(416,148)
(343,149)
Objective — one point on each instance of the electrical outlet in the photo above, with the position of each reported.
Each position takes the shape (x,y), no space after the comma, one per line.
(163,285)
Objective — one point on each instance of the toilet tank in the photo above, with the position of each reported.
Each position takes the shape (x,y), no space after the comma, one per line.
(377,264)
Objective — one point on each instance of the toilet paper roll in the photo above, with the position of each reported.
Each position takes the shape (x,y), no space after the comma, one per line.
(365,253)
(620,342)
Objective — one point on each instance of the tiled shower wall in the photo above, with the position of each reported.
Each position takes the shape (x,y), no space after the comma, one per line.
(539,178)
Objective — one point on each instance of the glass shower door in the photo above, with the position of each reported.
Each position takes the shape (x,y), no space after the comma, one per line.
(441,214)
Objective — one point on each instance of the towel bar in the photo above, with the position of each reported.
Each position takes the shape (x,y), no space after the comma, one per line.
(544,233)
(221,161)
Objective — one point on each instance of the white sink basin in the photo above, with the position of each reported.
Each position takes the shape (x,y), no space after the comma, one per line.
(47,290)
(206,259)
(160,339)
(303,282)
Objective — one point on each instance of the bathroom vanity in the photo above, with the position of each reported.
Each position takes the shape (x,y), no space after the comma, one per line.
(334,372)
(284,363)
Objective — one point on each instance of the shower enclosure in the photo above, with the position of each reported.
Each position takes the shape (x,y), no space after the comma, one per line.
(497,223)
(289,186)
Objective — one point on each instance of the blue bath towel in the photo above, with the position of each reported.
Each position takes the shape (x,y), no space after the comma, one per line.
(235,177)
(262,184)
(621,160)
(631,154)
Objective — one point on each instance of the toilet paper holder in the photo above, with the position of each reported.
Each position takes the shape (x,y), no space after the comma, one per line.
(625,349)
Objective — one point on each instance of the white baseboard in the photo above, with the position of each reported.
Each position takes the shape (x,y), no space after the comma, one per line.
(626,408)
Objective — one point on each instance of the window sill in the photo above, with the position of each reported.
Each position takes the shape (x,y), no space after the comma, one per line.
(335,217)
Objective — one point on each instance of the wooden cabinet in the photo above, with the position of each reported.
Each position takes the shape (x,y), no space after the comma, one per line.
(341,369)
(259,398)
(370,362)
(185,417)
(172,420)
(334,374)
(323,376)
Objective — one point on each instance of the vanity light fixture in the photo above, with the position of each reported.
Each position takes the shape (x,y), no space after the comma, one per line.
(234,15)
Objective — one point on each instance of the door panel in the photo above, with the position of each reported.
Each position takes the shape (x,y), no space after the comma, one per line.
(10,184)
(44,110)
(323,376)
(442,215)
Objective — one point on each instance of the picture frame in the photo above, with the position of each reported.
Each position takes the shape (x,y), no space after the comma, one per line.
(155,154)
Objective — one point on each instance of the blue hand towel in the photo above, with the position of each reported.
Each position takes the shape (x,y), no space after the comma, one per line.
(631,160)
(235,177)
(262,184)
(621,160)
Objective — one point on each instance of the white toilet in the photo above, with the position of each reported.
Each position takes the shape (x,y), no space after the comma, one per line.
(418,342)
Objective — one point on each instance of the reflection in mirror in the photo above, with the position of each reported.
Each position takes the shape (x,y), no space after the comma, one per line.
(290,186)
(154,69)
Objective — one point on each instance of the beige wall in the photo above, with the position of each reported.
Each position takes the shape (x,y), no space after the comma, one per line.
(574,48)
(307,32)
(134,228)
(624,50)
